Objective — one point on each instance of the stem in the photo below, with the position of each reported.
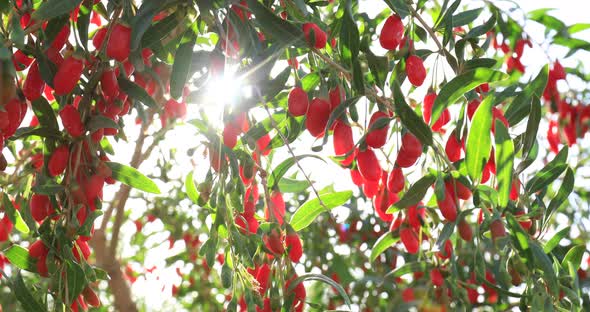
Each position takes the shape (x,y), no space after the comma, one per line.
(427,28)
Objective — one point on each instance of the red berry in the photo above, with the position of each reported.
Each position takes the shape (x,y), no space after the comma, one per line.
(21,61)
(230,135)
(448,206)
(68,75)
(317,117)
(515,190)
(277,206)
(262,145)
(497,229)
(436,277)
(408,295)
(314,35)
(457,188)
(391,33)
(90,297)
(274,242)
(376,138)
(336,95)
(34,84)
(356,177)
(93,187)
(38,249)
(298,102)
(415,70)
(465,230)
(294,247)
(42,266)
(396,180)
(453,148)
(70,118)
(59,160)
(410,150)
(409,239)
(119,44)
(109,84)
(61,38)
(263,278)
(343,138)
(368,165)
(84,249)
(40,207)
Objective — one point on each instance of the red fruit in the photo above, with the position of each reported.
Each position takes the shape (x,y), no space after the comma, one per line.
(391,33)
(38,249)
(368,165)
(84,248)
(262,144)
(336,96)
(415,215)
(465,230)
(436,277)
(277,206)
(343,139)
(21,61)
(99,37)
(497,228)
(457,188)
(524,222)
(356,177)
(314,35)
(93,187)
(34,84)
(230,135)
(515,190)
(5,228)
(70,118)
(447,251)
(415,70)
(90,297)
(409,239)
(370,188)
(317,117)
(444,118)
(408,295)
(448,206)
(410,150)
(40,207)
(59,160)
(294,247)
(61,38)
(376,138)
(109,84)
(396,180)
(298,102)
(453,148)
(274,242)
(12,117)
(68,75)
(263,278)
(119,44)
(42,266)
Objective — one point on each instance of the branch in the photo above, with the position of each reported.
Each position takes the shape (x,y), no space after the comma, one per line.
(428,28)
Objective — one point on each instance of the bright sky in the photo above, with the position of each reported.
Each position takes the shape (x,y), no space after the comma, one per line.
(184,137)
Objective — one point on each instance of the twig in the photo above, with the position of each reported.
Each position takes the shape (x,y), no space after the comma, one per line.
(428,28)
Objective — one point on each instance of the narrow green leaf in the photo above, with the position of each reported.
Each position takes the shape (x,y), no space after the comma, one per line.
(54,8)
(414,194)
(338,112)
(321,278)
(409,118)
(14,215)
(519,237)
(466,17)
(549,173)
(463,83)
(143,20)
(45,113)
(554,241)
(519,108)
(385,241)
(574,256)
(532,126)
(83,23)
(24,296)
(281,31)
(76,280)
(191,189)
(479,62)
(310,81)
(136,92)
(408,268)
(132,177)
(287,185)
(544,263)
(311,209)
(479,142)
(572,29)
(567,186)
(181,66)
(158,31)
(19,257)
(349,36)
(100,122)
(504,163)
(280,170)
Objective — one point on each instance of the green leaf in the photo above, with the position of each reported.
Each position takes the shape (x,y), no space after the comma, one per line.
(408,268)
(24,296)
(554,241)
(543,262)
(549,173)
(338,112)
(143,20)
(181,66)
(532,127)
(385,241)
(20,258)
(504,163)
(482,29)
(76,280)
(519,108)
(97,122)
(130,176)
(280,170)
(54,8)
(280,31)
(83,23)
(287,185)
(321,278)
(310,81)
(311,209)
(466,17)
(574,256)
(191,189)
(226,276)
(136,92)
(349,36)
(479,62)
(156,32)
(572,29)
(414,194)
(479,142)
(567,186)
(541,16)
(14,215)
(463,83)
(45,113)
(519,237)
(409,118)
